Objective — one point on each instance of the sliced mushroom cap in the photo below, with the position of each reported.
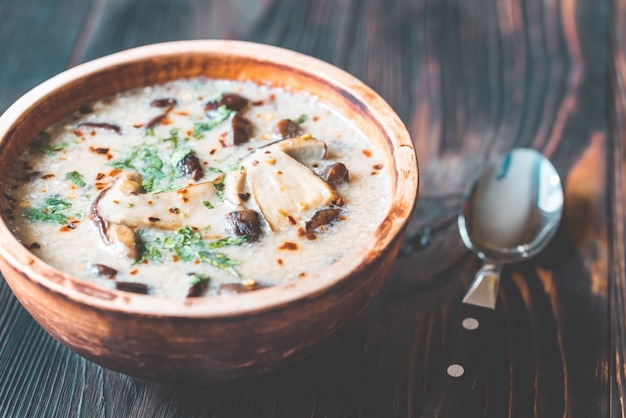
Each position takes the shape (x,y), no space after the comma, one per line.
(284,189)
(166,211)
(120,209)
(235,187)
(305,149)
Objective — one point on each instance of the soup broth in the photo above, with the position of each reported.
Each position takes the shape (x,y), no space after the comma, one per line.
(197,187)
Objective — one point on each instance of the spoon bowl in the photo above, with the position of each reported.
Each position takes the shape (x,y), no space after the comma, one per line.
(514,208)
(509,214)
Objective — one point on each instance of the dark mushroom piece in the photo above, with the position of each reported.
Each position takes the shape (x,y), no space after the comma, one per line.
(104,270)
(244,223)
(166,102)
(199,287)
(322,218)
(101,125)
(287,128)
(240,129)
(232,101)
(190,166)
(336,174)
(132,287)
(155,121)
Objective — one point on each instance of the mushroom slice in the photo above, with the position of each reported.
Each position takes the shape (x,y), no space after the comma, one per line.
(305,149)
(235,187)
(123,240)
(285,189)
(162,211)
(120,209)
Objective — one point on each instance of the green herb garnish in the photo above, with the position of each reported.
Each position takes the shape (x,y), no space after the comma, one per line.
(219,186)
(207,204)
(188,245)
(173,138)
(76,178)
(156,175)
(216,117)
(53,210)
(301,119)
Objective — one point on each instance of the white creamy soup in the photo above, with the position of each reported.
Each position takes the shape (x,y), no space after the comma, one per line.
(197,187)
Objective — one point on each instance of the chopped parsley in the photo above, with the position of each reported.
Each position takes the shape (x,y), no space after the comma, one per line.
(218,183)
(173,138)
(188,245)
(156,175)
(76,178)
(54,210)
(216,117)
(207,204)
(219,186)
(301,119)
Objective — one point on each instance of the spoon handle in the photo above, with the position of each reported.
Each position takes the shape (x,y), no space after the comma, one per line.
(459,388)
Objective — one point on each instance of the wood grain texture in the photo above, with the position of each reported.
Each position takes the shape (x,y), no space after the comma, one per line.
(470,79)
(37,41)
(618,213)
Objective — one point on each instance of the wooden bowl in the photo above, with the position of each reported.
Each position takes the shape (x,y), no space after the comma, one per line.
(206,339)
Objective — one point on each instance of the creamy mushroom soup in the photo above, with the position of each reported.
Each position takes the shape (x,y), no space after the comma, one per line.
(197,187)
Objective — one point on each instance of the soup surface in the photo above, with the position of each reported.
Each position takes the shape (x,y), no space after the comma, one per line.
(197,187)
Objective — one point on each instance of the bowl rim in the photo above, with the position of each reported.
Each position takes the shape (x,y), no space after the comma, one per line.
(81,291)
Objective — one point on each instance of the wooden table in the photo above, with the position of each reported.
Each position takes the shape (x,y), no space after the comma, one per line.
(471,79)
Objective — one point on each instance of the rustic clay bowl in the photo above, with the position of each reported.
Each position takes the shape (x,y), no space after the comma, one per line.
(206,339)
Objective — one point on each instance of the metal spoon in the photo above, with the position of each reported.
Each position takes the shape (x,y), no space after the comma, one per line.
(508,215)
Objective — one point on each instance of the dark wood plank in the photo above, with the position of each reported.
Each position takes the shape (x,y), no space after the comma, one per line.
(618,213)
(470,79)
(37,42)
